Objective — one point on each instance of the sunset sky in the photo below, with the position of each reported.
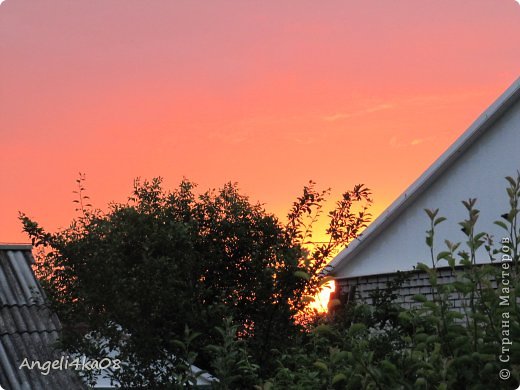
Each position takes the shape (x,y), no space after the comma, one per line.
(268,94)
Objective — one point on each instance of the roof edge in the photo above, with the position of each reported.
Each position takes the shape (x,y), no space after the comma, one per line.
(477,128)
(15,247)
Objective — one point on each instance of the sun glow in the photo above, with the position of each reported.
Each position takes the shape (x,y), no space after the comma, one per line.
(321,300)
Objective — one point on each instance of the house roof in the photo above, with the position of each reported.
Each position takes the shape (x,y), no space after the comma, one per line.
(468,138)
(28,329)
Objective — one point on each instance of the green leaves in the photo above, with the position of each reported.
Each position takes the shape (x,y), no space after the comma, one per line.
(165,260)
(502,225)
(323,329)
(449,338)
(419,298)
(302,274)
(356,329)
(431,213)
(339,379)
(177,266)
(429,240)
(321,365)
(422,267)
(230,361)
(443,255)
(339,356)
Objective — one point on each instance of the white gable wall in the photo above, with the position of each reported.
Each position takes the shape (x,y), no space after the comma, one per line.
(478,173)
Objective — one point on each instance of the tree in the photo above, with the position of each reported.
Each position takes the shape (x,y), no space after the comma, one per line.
(432,345)
(154,279)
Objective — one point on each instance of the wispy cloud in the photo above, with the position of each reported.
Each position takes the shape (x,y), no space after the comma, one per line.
(398,143)
(345,115)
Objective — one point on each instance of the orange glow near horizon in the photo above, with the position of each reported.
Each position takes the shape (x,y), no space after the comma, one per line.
(266,94)
(321,301)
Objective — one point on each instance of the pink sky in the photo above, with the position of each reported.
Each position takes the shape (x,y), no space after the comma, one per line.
(268,94)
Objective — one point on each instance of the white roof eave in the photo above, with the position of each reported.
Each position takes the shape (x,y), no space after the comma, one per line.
(483,122)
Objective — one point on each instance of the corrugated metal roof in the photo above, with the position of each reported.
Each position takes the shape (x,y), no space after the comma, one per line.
(28,329)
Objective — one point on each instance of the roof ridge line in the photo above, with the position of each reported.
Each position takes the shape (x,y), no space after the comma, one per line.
(446,159)
(9,305)
(29,332)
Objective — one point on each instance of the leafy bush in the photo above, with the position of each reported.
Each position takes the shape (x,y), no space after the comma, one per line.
(433,345)
(132,280)
(177,269)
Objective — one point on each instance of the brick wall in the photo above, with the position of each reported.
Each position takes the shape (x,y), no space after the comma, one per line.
(415,282)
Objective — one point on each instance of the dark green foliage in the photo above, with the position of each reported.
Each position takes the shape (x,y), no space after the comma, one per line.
(139,274)
(221,258)
(381,345)
(154,279)
(230,362)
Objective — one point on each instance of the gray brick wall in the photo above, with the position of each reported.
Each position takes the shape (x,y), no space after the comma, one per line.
(415,282)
